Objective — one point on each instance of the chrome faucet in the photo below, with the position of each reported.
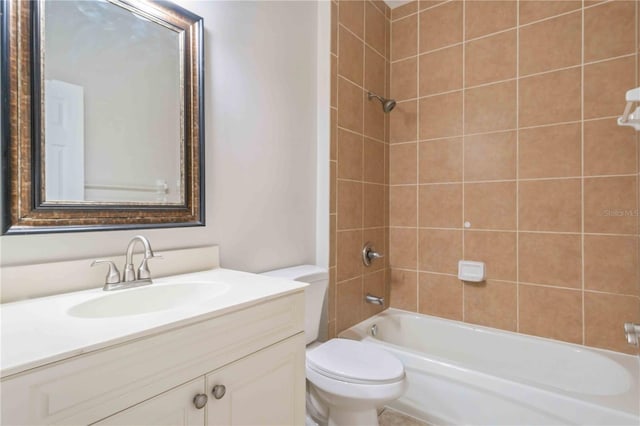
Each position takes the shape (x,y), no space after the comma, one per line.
(129,277)
(143,270)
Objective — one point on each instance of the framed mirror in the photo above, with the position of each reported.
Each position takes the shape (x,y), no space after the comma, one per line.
(102,115)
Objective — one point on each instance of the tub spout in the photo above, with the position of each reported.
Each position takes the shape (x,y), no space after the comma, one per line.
(370,298)
(632,331)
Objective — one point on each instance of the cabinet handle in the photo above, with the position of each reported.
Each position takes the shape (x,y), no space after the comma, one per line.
(218,391)
(200,400)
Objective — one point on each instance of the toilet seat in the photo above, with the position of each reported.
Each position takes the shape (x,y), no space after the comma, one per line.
(352,361)
(355,394)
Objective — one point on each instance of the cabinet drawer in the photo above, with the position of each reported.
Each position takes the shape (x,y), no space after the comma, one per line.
(90,387)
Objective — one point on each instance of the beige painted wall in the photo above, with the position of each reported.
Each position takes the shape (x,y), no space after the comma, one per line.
(260,89)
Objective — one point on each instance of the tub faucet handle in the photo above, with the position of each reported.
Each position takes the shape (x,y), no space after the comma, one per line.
(369,254)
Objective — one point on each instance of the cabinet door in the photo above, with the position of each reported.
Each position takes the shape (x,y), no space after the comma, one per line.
(265,388)
(172,408)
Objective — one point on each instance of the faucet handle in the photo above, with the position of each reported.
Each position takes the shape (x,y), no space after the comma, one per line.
(143,269)
(369,254)
(113,276)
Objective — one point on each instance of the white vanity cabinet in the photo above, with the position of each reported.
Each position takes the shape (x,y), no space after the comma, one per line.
(257,352)
(266,388)
(172,408)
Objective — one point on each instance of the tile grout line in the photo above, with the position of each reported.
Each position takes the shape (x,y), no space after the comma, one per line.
(518,166)
(525,283)
(505,231)
(637,36)
(582,265)
(359,134)
(383,243)
(360,181)
(538,126)
(377,8)
(362,185)
(464,82)
(387,154)
(417,232)
(419,11)
(531,75)
(360,38)
(335,290)
(408,15)
(610,58)
(537,21)
(538,179)
(385,194)
(637,139)
(418,54)
(507,80)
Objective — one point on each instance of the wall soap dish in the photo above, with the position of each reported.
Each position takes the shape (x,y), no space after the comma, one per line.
(631,118)
(471,271)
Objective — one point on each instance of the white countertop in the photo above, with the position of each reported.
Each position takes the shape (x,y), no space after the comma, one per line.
(39,331)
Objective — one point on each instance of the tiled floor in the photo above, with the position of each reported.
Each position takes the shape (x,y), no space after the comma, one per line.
(394,418)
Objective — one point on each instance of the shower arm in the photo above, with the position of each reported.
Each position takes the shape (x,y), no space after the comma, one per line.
(373,95)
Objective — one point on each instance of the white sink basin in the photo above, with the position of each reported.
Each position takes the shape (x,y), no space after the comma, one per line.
(40,331)
(148,299)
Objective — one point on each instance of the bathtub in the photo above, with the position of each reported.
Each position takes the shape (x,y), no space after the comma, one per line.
(466,374)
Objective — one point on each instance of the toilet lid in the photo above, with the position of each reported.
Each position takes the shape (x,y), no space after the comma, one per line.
(353,361)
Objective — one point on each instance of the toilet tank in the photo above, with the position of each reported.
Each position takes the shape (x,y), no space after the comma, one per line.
(318,279)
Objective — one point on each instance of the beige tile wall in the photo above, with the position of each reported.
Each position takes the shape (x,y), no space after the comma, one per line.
(359,158)
(506,120)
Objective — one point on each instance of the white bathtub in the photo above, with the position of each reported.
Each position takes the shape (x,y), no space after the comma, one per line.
(466,374)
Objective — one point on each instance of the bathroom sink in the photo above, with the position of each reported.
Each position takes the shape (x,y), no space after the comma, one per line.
(148,299)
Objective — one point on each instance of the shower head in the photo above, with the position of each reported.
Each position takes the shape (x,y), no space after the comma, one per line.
(387,104)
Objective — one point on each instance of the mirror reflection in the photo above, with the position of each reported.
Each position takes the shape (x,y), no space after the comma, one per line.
(112,106)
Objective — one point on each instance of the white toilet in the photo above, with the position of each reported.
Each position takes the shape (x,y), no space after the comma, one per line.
(347,380)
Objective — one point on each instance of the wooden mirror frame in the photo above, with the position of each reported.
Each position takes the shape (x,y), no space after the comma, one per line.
(22,182)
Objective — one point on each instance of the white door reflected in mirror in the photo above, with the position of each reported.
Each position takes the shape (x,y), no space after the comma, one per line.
(64,151)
